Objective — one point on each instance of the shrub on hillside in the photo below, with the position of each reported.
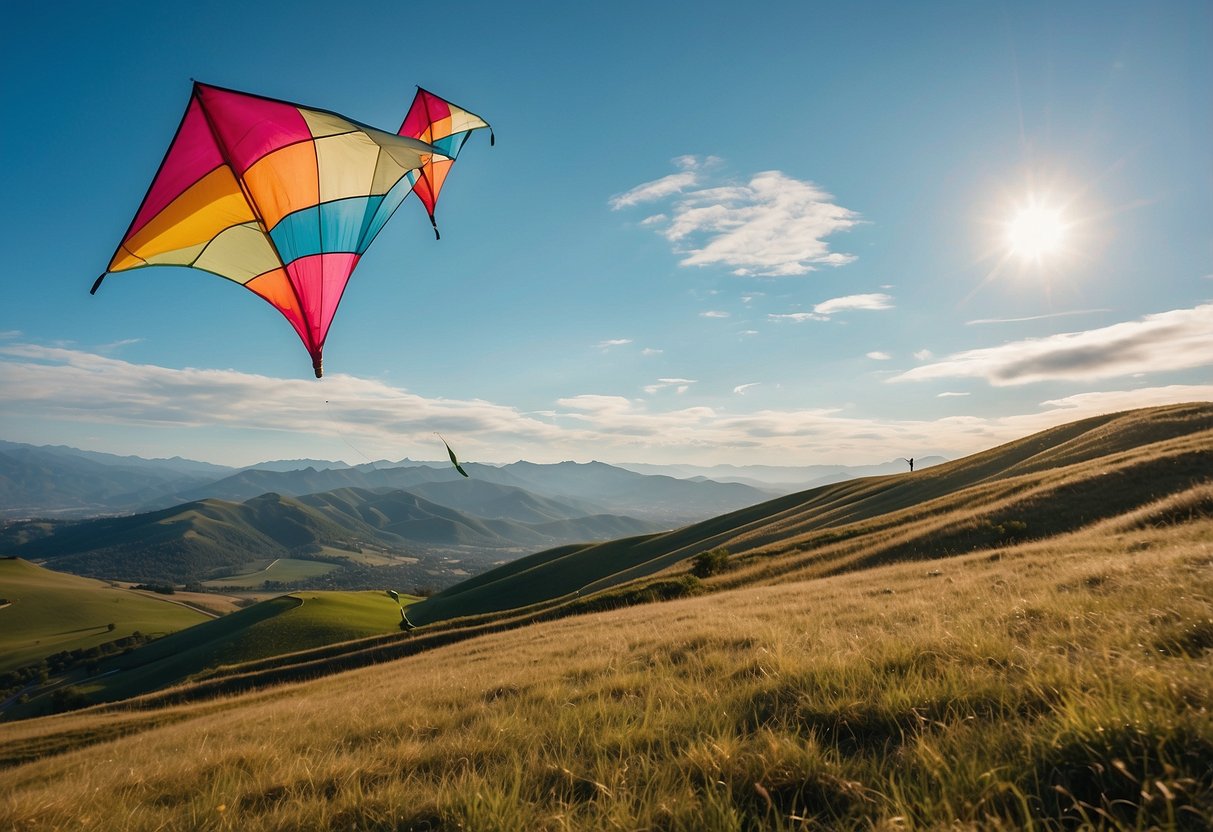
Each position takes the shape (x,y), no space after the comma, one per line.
(706,564)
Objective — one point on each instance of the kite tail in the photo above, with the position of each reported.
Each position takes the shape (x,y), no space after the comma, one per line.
(437,236)
(318,365)
(492,138)
(97,284)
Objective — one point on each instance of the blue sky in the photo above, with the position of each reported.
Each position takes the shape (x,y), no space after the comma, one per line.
(775,233)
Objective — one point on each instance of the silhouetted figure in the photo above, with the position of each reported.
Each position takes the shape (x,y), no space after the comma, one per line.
(911,461)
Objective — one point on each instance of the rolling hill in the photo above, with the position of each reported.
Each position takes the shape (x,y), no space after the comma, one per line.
(1016,639)
(48,612)
(210,538)
(1050,483)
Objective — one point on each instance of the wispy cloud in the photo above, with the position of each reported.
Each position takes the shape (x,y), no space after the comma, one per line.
(680,385)
(771,225)
(871,301)
(874,301)
(796,317)
(877,355)
(713,313)
(651,351)
(1068,314)
(924,355)
(741,388)
(950,395)
(613,342)
(657,189)
(1174,340)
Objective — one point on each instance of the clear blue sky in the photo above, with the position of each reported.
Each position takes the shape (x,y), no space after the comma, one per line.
(767,233)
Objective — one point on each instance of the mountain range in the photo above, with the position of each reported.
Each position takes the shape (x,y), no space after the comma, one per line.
(58,481)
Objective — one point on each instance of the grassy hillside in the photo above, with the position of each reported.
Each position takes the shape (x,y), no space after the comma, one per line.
(1049,483)
(49,612)
(1063,684)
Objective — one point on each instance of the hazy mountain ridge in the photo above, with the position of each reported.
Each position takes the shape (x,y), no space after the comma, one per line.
(203,538)
(61,481)
(57,481)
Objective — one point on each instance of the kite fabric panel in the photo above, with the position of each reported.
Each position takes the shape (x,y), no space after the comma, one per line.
(280,198)
(447,127)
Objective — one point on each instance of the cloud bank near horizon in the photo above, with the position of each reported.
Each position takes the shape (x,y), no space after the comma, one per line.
(290,418)
(1175,340)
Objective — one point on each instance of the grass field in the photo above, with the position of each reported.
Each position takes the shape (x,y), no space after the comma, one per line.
(274,627)
(282,570)
(52,612)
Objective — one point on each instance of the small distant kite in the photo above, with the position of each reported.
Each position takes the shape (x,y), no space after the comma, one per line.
(394,595)
(447,127)
(451,454)
(285,199)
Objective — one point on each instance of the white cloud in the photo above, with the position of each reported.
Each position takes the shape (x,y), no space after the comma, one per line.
(924,355)
(877,355)
(258,417)
(772,225)
(651,351)
(741,388)
(613,342)
(1174,340)
(950,395)
(714,313)
(873,301)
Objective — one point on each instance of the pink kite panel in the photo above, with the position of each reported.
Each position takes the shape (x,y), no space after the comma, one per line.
(249,126)
(319,280)
(192,156)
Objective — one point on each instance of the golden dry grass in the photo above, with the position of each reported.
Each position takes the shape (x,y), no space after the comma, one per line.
(1062,683)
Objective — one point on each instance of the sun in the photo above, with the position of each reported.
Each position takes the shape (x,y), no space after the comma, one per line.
(1036,231)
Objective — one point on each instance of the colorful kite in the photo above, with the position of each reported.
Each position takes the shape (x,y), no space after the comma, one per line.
(280,198)
(440,123)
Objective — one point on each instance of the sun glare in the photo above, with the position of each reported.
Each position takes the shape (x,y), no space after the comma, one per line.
(1036,231)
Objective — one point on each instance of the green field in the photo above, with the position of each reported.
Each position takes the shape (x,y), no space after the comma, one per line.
(50,612)
(283,570)
(286,624)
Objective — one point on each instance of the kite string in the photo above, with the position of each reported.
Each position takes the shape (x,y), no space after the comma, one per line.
(336,430)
